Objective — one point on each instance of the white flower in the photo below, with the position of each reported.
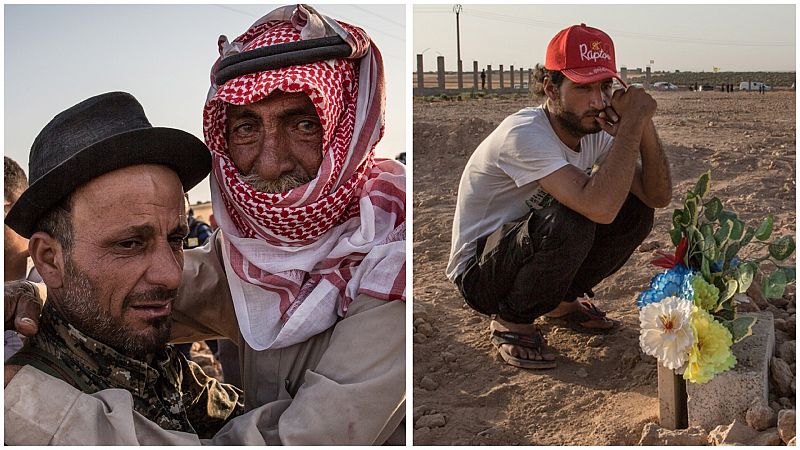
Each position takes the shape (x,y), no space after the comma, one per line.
(666,331)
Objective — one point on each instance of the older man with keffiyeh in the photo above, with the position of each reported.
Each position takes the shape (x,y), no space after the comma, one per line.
(308,266)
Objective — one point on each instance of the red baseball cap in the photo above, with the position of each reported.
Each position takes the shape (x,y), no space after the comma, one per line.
(583,54)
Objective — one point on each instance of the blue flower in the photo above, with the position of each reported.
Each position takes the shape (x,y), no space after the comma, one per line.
(716,266)
(674,282)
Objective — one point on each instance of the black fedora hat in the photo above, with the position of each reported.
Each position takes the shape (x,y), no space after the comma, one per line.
(94,137)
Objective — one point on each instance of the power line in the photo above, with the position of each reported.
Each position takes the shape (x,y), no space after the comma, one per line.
(377,31)
(380,16)
(488,15)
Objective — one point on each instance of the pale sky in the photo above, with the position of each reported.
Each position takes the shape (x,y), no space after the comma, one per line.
(682,37)
(59,55)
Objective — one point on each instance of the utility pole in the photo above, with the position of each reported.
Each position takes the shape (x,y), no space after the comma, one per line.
(457,10)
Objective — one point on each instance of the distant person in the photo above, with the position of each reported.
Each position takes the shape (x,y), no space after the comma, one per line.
(15,254)
(483,79)
(15,247)
(557,198)
(199,231)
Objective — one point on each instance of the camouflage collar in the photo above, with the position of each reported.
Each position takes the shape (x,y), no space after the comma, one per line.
(65,341)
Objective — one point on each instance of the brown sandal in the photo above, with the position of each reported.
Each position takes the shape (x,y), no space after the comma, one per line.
(535,341)
(576,319)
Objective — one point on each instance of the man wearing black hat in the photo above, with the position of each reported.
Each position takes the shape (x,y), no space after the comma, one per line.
(105,218)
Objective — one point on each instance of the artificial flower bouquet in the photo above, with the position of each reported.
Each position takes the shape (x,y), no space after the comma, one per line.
(688,315)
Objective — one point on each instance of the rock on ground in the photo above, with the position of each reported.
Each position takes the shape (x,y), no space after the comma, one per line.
(760,416)
(735,433)
(431,421)
(786,423)
(769,437)
(787,351)
(429,384)
(652,434)
(781,374)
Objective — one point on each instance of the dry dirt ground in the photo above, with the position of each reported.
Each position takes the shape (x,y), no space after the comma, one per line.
(604,388)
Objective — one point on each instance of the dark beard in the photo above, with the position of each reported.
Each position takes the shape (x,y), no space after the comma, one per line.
(571,122)
(80,308)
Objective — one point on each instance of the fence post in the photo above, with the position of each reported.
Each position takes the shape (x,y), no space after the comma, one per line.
(420,72)
(489,77)
(440,71)
(475,74)
(460,75)
(511,75)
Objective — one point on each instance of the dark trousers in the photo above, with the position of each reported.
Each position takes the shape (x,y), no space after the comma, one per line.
(526,268)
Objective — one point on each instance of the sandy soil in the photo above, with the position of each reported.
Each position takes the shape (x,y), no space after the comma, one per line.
(604,389)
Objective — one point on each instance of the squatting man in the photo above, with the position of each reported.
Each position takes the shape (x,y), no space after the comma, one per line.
(306,273)
(557,198)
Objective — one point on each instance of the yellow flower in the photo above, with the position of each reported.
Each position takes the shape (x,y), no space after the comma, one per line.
(705,295)
(711,353)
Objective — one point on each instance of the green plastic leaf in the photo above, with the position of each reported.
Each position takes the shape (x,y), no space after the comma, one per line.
(775,284)
(765,229)
(725,310)
(744,275)
(790,272)
(740,328)
(723,232)
(730,252)
(691,204)
(707,230)
(675,234)
(731,286)
(705,268)
(782,248)
(709,249)
(677,218)
(727,215)
(748,236)
(737,230)
(712,208)
(702,185)
(686,217)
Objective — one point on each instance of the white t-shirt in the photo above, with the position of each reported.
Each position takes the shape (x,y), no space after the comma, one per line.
(499,183)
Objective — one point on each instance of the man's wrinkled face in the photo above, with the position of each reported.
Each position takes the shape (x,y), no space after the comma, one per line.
(276,143)
(124,269)
(578,104)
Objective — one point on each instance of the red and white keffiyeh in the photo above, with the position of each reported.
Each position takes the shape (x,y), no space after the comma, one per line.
(295,261)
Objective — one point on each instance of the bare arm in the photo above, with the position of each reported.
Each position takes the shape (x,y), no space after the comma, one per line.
(652,182)
(599,197)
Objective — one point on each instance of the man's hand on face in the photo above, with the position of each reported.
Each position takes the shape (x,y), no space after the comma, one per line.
(632,102)
(23,307)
